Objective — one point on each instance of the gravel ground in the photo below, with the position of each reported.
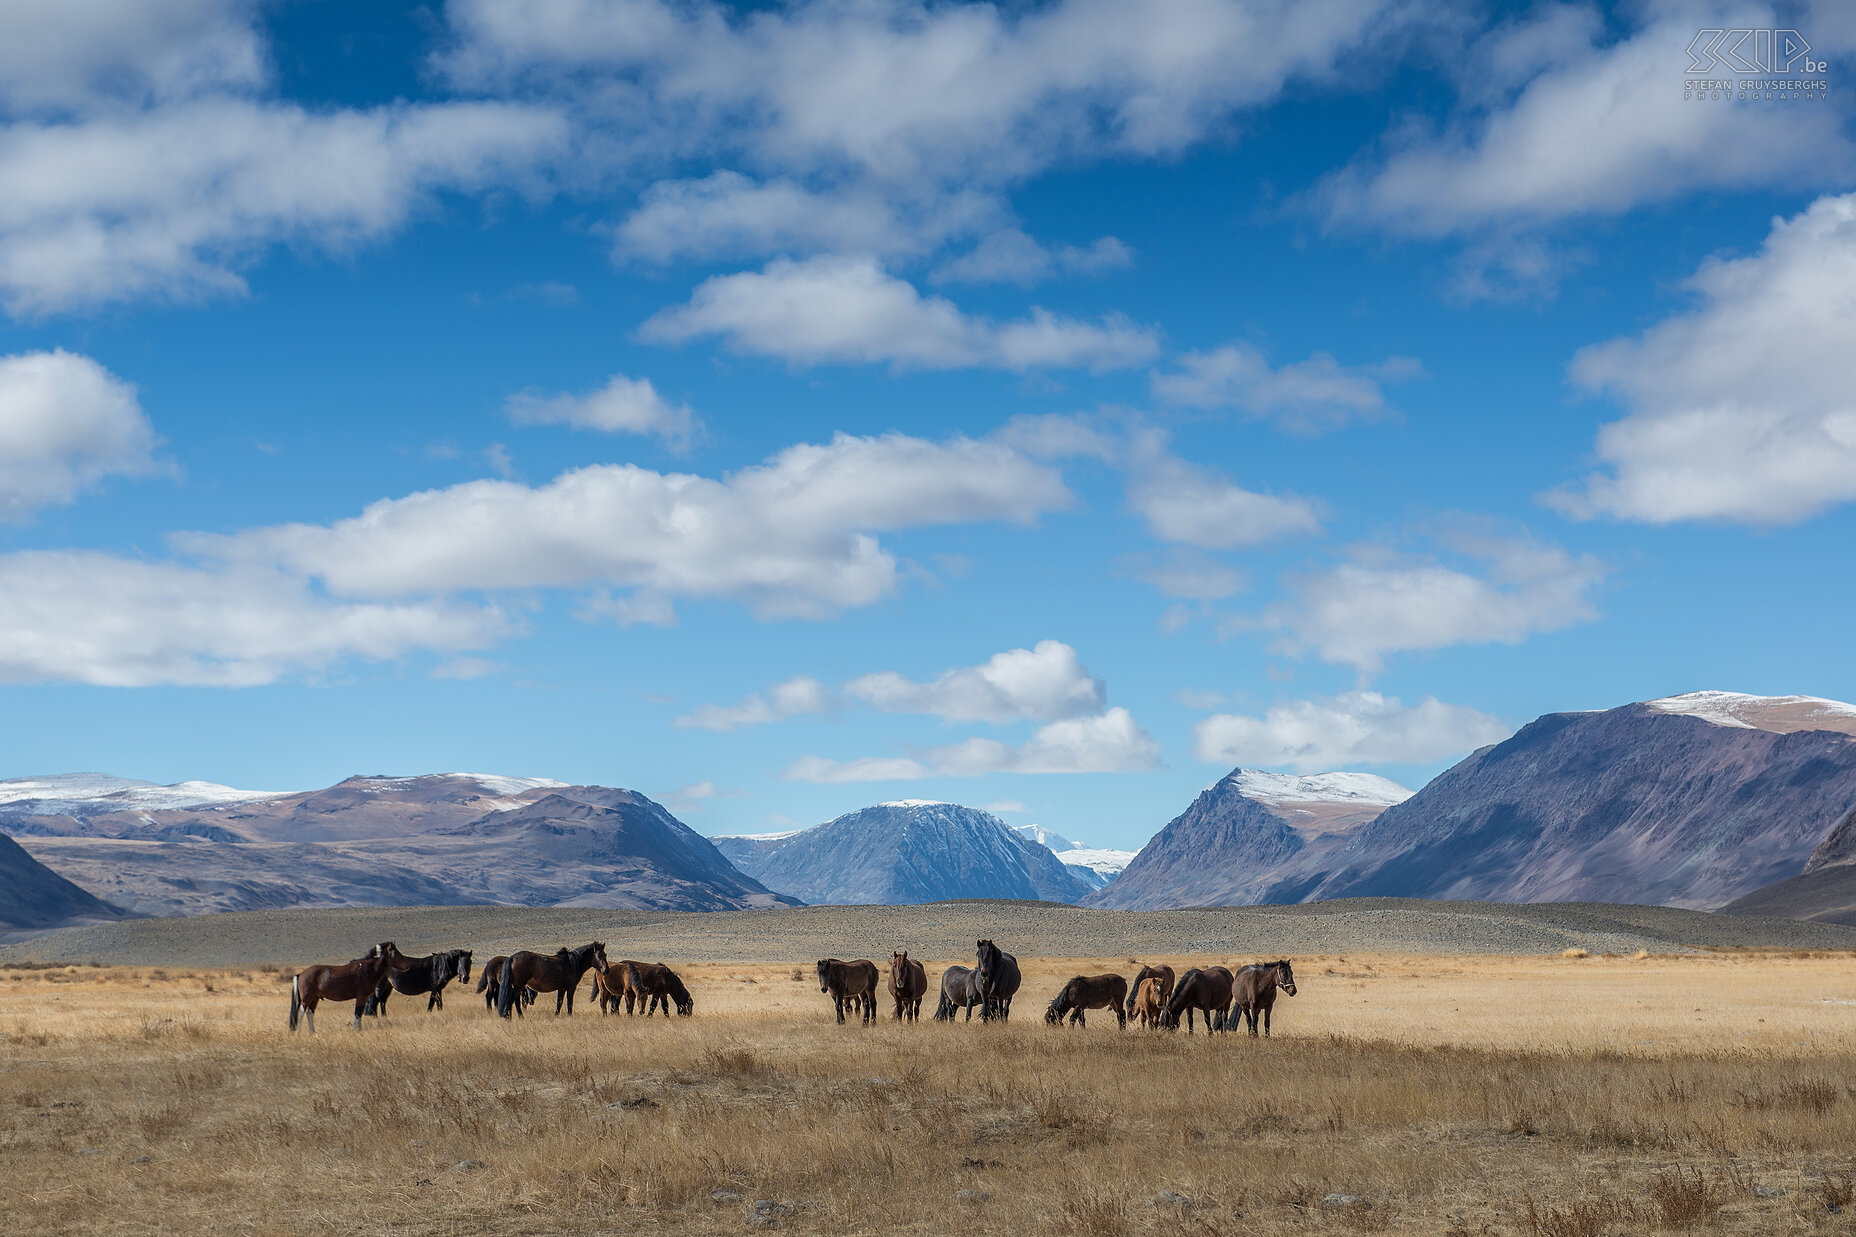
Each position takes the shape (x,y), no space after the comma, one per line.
(936,931)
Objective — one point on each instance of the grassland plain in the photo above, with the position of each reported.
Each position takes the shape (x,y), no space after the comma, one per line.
(1440,1092)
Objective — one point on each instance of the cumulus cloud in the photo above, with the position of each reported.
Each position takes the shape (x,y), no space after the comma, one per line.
(65,424)
(1111,742)
(1318,393)
(1741,408)
(1184,503)
(1560,120)
(796,696)
(623,406)
(1011,256)
(1043,683)
(1339,732)
(828,310)
(1377,603)
(85,617)
(790,537)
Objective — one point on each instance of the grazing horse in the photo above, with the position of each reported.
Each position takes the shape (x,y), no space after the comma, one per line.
(958,991)
(1161,973)
(559,974)
(1208,991)
(1255,992)
(657,985)
(351,981)
(1148,1003)
(844,980)
(1089,992)
(997,979)
(908,984)
(421,976)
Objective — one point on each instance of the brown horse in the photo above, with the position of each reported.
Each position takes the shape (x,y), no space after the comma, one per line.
(1148,1002)
(351,981)
(1208,991)
(1255,991)
(610,990)
(491,981)
(908,984)
(559,974)
(657,985)
(1089,992)
(844,980)
(1158,971)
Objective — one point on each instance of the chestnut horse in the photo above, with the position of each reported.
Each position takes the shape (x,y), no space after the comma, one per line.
(997,979)
(958,991)
(559,974)
(351,981)
(1148,1003)
(908,984)
(1255,992)
(844,980)
(1089,992)
(1208,991)
(1157,971)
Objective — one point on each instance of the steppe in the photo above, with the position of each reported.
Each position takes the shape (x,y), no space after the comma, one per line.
(1557,1071)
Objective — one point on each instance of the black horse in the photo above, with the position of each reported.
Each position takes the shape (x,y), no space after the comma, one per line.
(958,991)
(997,979)
(423,976)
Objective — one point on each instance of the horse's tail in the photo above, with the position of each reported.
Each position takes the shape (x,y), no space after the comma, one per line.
(296,1000)
(483,979)
(505,987)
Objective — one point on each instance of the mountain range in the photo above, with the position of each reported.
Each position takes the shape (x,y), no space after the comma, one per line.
(908,851)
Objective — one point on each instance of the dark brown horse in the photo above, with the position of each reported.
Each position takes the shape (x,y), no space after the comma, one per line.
(351,981)
(1149,1004)
(656,986)
(491,982)
(425,977)
(958,991)
(849,979)
(1208,991)
(559,974)
(1255,991)
(1089,992)
(997,978)
(908,984)
(1157,971)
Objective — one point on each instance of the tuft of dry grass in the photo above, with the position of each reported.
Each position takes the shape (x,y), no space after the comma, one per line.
(1462,1095)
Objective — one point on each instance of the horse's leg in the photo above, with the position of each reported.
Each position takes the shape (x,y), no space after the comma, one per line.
(560,994)
(309,1012)
(1121,1016)
(360,1004)
(1266,1021)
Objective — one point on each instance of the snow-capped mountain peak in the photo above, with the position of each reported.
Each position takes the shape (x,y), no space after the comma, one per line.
(1780,714)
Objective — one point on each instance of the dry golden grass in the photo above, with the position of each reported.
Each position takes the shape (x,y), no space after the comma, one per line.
(1554,1097)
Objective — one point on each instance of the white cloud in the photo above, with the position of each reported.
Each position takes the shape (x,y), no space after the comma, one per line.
(84,617)
(793,698)
(1317,393)
(1340,732)
(65,424)
(1741,409)
(790,537)
(692,798)
(849,310)
(1562,124)
(74,55)
(1043,683)
(1003,806)
(1010,256)
(1185,573)
(1111,742)
(1194,506)
(623,406)
(1376,604)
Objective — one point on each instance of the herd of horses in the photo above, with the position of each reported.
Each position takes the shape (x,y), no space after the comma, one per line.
(508,983)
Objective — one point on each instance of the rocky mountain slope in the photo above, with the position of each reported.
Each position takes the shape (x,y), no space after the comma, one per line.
(1251,837)
(905,852)
(443,839)
(33,896)
(1826,890)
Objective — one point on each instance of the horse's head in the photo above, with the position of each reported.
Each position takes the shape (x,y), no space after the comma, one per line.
(898,961)
(1054,1014)
(461,960)
(395,959)
(1285,976)
(597,954)
(824,974)
(986,951)
(686,1004)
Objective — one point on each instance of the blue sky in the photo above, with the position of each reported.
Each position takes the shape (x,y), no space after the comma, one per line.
(1046,406)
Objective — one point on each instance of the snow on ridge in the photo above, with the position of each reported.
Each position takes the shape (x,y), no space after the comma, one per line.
(1100,860)
(756,837)
(1351,788)
(496,783)
(1747,712)
(1044,837)
(125,793)
(917,803)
